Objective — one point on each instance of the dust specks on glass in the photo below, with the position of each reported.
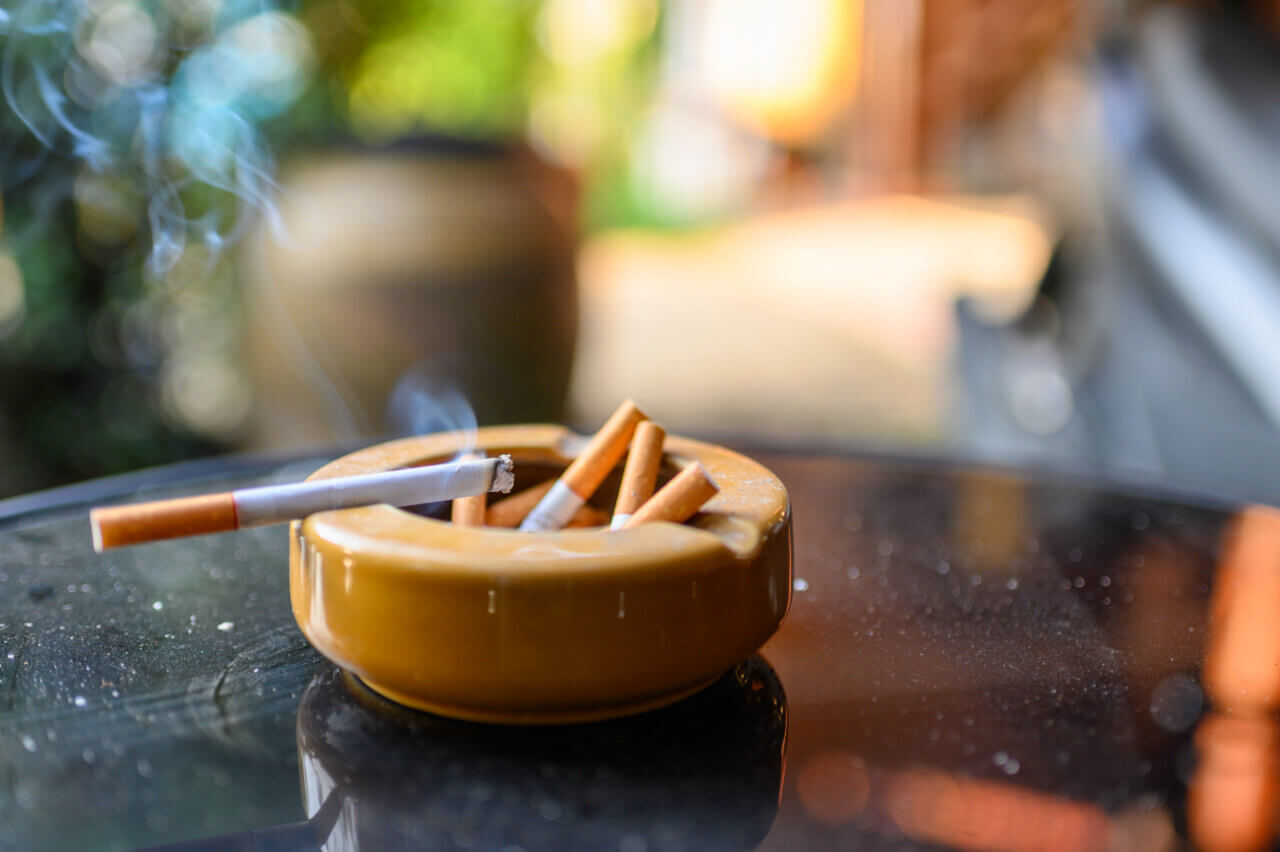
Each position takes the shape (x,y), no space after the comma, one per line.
(968,658)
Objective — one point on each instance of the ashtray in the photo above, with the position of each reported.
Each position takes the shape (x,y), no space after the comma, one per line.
(498,625)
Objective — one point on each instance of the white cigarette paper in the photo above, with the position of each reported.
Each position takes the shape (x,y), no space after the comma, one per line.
(555,510)
(408,487)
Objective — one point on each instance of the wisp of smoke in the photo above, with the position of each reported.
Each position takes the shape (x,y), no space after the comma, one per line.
(165,97)
(421,404)
(169,98)
(168,95)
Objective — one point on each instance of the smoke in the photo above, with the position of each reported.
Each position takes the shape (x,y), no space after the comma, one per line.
(159,107)
(421,404)
(150,115)
(169,95)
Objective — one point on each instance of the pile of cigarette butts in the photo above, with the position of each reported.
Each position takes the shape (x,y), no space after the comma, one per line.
(562,503)
(546,507)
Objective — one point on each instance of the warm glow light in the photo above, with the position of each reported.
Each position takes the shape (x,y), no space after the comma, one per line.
(567,124)
(834,787)
(783,67)
(1242,664)
(579,33)
(690,163)
(1232,796)
(987,816)
(582,94)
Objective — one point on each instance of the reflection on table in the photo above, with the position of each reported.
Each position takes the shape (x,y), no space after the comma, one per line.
(1233,795)
(702,774)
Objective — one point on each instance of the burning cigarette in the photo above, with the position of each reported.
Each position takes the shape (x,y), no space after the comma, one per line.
(469,511)
(581,478)
(248,507)
(678,499)
(641,472)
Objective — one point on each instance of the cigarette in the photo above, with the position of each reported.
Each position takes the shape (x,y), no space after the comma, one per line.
(584,475)
(678,499)
(641,472)
(469,511)
(248,507)
(588,516)
(510,511)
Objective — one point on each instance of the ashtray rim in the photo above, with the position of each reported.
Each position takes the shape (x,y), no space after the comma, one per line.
(737,520)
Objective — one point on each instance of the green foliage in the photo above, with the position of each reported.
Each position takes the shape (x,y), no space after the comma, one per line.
(458,67)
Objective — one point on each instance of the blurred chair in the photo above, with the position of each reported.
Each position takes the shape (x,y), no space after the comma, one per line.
(1154,349)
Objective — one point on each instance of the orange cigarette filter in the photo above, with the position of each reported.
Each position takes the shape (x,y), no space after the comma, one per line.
(641,472)
(117,526)
(469,511)
(584,475)
(678,499)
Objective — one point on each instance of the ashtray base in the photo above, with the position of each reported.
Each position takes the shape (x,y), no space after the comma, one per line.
(576,716)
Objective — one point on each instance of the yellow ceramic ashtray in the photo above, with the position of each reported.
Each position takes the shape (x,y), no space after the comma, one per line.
(498,625)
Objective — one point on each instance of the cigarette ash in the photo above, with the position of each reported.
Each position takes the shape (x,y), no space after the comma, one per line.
(505,479)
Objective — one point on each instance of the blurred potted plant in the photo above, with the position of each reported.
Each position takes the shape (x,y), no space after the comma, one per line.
(129,157)
(431,253)
(135,151)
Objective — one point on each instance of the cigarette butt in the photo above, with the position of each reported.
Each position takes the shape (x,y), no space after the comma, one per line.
(117,526)
(640,474)
(510,511)
(678,499)
(584,475)
(588,516)
(469,511)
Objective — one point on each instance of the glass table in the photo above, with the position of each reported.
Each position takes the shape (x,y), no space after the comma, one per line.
(973,658)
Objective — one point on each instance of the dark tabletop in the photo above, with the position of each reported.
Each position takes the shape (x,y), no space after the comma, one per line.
(972,658)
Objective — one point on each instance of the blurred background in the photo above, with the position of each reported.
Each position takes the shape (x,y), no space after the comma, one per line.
(1033,233)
